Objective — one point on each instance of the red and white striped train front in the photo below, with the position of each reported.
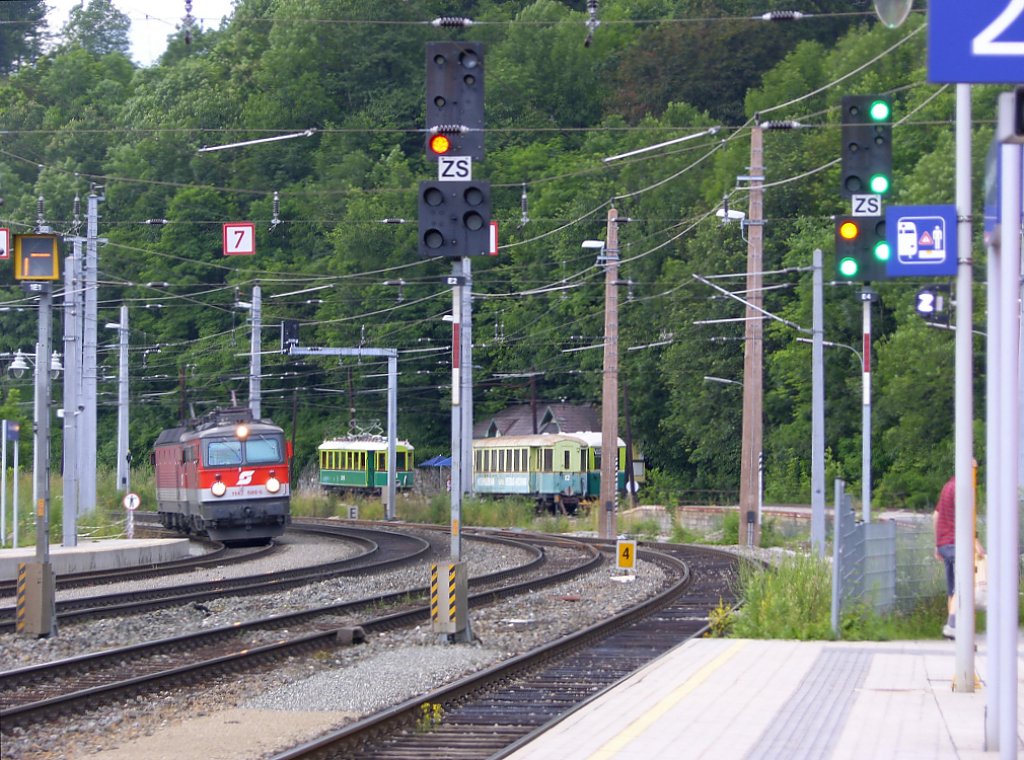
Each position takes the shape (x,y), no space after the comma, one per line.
(228,479)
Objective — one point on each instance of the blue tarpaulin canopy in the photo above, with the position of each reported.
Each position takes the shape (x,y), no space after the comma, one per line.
(438,461)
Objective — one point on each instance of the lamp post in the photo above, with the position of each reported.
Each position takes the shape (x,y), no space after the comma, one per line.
(753,351)
(609,256)
(123,452)
(19,364)
(11,432)
(37,615)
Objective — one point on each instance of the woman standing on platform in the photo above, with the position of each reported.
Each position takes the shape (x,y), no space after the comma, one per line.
(945,548)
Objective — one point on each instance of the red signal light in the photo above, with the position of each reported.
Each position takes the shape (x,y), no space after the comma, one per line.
(848,230)
(440,144)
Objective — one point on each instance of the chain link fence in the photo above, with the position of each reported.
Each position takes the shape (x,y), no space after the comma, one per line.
(887,565)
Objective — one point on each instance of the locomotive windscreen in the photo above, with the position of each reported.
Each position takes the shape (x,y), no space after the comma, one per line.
(263,450)
(222,452)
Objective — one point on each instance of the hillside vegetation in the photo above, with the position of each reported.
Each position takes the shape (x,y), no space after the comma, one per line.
(353,71)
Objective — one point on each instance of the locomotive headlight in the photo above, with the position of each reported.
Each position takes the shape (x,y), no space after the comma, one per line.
(218,488)
(242,432)
(273,484)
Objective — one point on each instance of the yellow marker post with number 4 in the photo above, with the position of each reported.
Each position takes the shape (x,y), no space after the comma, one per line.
(625,551)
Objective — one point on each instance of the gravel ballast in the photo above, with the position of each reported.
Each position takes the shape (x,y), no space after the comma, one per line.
(285,704)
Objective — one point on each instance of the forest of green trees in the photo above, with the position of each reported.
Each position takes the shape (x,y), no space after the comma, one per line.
(75,111)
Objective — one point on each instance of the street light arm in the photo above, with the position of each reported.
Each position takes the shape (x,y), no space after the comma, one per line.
(832,344)
(723,380)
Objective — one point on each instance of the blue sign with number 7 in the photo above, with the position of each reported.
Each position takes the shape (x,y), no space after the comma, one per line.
(977,41)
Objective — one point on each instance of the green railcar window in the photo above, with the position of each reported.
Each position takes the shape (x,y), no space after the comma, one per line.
(548,460)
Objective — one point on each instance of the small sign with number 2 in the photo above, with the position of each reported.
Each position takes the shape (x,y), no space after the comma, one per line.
(239,239)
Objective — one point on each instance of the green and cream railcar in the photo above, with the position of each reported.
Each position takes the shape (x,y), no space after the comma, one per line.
(549,468)
(361,464)
(593,441)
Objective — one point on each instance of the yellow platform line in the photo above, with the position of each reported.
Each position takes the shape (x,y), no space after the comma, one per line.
(637,727)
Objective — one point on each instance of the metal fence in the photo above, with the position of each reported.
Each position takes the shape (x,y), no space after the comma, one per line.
(886,565)
(919,575)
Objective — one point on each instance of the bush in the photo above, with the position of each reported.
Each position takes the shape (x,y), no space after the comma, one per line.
(662,488)
(730,528)
(794,601)
(791,601)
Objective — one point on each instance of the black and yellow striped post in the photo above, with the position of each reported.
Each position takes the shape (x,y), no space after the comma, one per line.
(21,598)
(449,603)
(35,600)
(435,603)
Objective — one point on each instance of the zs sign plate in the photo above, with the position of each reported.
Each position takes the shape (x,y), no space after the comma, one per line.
(977,41)
(454,168)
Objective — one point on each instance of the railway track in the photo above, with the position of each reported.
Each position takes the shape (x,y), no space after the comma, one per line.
(493,712)
(34,693)
(216,554)
(381,550)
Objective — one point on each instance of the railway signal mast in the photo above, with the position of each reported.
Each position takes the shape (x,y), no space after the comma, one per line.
(862,250)
(454,221)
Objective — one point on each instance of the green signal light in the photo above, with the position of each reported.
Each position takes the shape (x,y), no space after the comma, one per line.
(882,251)
(848,267)
(879,110)
(878,184)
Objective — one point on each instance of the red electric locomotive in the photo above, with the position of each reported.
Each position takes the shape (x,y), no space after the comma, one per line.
(224,475)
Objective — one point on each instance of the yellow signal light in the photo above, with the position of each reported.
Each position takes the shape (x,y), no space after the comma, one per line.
(849,230)
(440,144)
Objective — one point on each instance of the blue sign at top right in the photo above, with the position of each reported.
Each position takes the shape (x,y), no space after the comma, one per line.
(922,241)
(976,41)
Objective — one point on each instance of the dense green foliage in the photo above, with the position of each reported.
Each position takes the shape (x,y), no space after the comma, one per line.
(22,32)
(793,600)
(354,70)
